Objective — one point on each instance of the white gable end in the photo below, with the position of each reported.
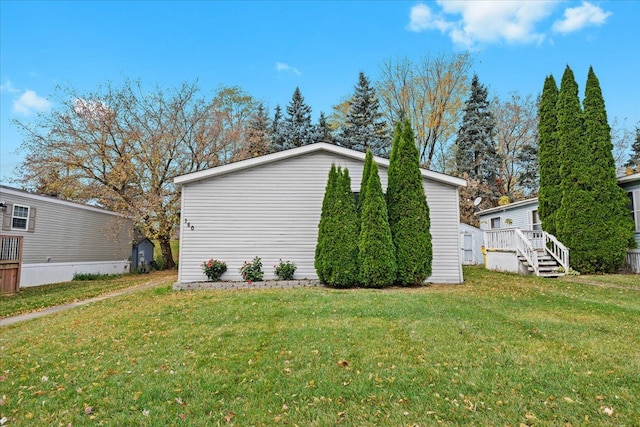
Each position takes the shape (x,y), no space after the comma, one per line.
(272,210)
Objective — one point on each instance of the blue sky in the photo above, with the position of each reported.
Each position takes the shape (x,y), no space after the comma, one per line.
(269,48)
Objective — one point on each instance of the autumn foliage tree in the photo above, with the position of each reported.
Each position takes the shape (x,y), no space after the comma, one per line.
(121,146)
(430,93)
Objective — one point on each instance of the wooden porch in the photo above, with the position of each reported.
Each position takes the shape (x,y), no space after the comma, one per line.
(10,263)
(537,252)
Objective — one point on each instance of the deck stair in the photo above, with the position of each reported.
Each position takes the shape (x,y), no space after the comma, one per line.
(538,251)
(547,265)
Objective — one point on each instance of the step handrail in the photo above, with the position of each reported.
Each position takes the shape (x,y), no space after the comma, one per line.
(526,249)
(557,250)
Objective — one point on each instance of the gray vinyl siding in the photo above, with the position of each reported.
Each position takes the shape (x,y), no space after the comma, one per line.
(66,232)
(272,211)
(520,217)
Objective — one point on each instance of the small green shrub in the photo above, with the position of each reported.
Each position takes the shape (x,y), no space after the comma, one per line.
(285,270)
(213,269)
(81,277)
(252,271)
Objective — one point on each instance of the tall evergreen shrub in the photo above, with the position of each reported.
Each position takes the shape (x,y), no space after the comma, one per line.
(366,171)
(612,230)
(377,260)
(342,242)
(326,224)
(577,209)
(548,157)
(408,210)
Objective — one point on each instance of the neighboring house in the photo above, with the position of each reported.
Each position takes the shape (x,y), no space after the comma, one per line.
(631,184)
(270,207)
(61,238)
(471,242)
(501,238)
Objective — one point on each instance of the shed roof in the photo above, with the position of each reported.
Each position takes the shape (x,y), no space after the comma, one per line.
(300,151)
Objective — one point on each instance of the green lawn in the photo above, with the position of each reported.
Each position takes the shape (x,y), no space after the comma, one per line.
(38,297)
(499,350)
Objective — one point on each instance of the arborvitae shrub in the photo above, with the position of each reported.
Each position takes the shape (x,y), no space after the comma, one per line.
(377,260)
(326,219)
(408,210)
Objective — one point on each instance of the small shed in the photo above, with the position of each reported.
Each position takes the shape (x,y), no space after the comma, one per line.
(141,254)
(471,242)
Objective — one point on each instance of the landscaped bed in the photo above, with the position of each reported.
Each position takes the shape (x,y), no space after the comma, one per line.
(500,349)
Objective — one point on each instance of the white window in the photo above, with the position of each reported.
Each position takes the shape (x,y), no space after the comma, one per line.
(634,197)
(20,218)
(535,221)
(495,223)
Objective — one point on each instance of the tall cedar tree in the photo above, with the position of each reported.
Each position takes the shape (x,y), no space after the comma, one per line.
(634,160)
(549,157)
(611,224)
(364,127)
(377,258)
(366,171)
(342,245)
(408,210)
(297,129)
(476,152)
(577,208)
(327,218)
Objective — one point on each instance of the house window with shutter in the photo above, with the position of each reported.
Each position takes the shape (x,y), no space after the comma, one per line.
(20,218)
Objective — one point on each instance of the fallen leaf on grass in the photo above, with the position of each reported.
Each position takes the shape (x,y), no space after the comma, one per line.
(3,421)
(88,410)
(570,400)
(608,411)
(343,363)
(179,401)
(227,419)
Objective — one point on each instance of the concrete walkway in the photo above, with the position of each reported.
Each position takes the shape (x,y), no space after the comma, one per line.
(34,315)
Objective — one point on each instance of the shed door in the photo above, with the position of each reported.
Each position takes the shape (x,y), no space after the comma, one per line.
(467,248)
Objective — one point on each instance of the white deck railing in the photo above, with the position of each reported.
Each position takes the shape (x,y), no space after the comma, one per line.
(525,242)
(525,248)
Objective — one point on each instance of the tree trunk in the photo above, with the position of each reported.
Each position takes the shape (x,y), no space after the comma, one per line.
(167,255)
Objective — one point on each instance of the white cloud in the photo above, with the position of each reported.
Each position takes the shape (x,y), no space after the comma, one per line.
(468,23)
(29,102)
(282,67)
(7,86)
(577,18)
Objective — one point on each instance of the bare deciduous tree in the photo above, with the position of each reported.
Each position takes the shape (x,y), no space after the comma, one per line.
(516,131)
(430,93)
(121,146)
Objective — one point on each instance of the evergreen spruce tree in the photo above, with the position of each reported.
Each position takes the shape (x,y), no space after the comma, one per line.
(323,130)
(297,129)
(377,260)
(408,210)
(326,224)
(611,230)
(276,137)
(634,159)
(549,157)
(476,151)
(576,210)
(364,126)
(257,133)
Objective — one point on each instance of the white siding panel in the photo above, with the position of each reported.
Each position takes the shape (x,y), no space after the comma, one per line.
(272,211)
